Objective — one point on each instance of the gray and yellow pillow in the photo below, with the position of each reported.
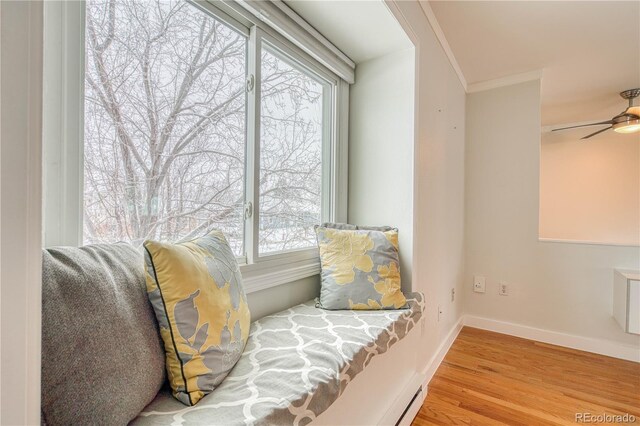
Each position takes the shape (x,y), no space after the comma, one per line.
(359,267)
(196,291)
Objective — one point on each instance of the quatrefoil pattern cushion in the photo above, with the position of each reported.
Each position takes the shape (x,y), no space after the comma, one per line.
(296,364)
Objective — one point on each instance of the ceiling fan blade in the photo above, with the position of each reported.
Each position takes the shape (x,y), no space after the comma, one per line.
(595,133)
(584,125)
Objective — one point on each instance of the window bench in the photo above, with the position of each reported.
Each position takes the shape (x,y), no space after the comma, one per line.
(298,362)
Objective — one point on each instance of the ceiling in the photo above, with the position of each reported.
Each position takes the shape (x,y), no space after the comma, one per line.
(588,51)
(362,30)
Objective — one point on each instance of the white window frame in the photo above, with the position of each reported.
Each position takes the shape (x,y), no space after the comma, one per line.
(64,139)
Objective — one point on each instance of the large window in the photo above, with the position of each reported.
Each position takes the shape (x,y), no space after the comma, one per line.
(194,121)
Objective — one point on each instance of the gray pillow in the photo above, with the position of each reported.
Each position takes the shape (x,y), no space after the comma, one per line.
(102,358)
(359,267)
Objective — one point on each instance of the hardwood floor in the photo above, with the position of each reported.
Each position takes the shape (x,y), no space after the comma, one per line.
(491,379)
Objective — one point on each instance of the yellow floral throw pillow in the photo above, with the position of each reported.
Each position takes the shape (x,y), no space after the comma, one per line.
(360,268)
(196,292)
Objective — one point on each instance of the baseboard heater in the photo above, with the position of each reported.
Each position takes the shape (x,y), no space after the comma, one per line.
(411,410)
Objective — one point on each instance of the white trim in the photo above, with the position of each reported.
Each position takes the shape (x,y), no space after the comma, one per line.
(289,25)
(479,86)
(252,145)
(587,344)
(628,274)
(404,23)
(586,242)
(432,366)
(297,58)
(267,277)
(340,155)
(63,126)
(507,80)
(313,32)
(442,39)
(220,14)
(286,257)
(21,221)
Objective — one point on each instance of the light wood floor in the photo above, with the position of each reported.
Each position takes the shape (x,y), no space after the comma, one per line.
(491,379)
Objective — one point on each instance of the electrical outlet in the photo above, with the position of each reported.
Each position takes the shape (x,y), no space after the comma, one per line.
(479,284)
(453,294)
(503,289)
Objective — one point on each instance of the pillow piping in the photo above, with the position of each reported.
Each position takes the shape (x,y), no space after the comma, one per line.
(166,313)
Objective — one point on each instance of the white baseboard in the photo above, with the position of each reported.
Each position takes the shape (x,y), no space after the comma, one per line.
(436,359)
(587,344)
(403,402)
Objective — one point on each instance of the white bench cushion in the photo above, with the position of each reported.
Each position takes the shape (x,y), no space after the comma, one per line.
(295,365)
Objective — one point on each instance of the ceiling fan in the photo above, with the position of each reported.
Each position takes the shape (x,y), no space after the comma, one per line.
(628,121)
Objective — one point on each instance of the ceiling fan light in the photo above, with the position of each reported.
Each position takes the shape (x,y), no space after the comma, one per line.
(635,110)
(627,126)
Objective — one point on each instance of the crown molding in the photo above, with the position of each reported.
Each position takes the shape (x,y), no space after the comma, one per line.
(435,26)
(481,85)
(507,80)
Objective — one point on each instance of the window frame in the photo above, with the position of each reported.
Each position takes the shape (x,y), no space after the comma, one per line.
(280,51)
(259,271)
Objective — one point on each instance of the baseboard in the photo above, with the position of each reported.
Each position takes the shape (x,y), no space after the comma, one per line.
(587,344)
(435,361)
(403,403)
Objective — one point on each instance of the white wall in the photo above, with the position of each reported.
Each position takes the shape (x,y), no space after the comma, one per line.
(438,179)
(276,299)
(381,149)
(590,189)
(553,286)
(20,213)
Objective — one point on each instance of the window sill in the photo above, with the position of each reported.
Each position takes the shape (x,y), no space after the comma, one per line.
(267,274)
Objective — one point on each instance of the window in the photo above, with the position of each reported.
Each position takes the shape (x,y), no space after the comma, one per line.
(164,119)
(195,120)
(291,140)
(164,123)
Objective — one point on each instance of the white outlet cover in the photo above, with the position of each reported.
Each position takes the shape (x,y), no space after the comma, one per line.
(503,289)
(479,284)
